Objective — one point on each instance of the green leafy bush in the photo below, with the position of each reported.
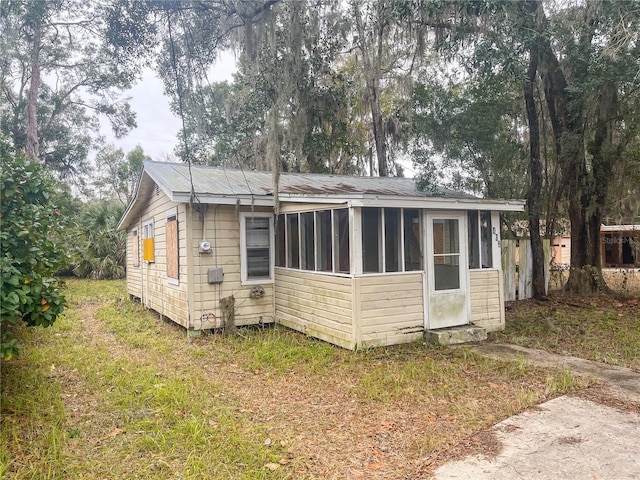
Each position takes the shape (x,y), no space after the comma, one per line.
(30,252)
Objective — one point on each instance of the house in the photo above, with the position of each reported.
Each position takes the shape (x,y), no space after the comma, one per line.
(620,245)
(355,261)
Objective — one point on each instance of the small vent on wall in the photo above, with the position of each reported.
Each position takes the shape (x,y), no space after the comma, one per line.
(157,190)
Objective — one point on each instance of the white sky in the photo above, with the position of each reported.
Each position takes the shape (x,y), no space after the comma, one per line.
(158,127)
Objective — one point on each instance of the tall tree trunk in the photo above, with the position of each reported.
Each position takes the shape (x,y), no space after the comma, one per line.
(32,148)
(378,128)
(535,173)
(371,59)
(565,113)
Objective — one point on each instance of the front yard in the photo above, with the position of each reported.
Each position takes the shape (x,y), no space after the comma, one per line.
(112,392)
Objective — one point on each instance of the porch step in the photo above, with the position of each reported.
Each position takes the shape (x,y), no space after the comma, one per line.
(455,335)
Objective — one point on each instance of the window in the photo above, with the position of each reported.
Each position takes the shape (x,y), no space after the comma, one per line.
(324,247)
(391,240)
(485,240)
(148,248)
(293,242)
(480,240)
(172,247)
(315,241)
(412,243)
(256,231)
(446,253)
(281,238)
(307,244)
(135,247)
(371,233)
(341,261)
(392,235)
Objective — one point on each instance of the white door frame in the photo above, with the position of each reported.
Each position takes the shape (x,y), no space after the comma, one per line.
(446,308)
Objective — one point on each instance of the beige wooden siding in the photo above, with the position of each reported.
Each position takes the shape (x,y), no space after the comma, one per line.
(390,309)
(133,268)
(487,301)
(316,304)
(222,229)
(149,281)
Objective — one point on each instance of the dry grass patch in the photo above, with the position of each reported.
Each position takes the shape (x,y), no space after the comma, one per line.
(113,392)
(600,328)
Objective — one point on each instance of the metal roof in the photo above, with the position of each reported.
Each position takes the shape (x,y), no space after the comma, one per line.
(217,185)
(175,177)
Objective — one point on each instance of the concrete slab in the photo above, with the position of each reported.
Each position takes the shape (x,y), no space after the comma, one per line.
(564,439)
(456,335)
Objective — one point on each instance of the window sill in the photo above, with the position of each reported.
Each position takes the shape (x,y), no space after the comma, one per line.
(173,281)
(257,281)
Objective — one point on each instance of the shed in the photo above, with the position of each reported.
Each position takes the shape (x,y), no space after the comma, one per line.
(355,261)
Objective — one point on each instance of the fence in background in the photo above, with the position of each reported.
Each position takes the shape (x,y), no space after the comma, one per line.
(517,268)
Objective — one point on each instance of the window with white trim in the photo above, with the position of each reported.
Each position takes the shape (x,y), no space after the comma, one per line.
(148,246)
(256,256)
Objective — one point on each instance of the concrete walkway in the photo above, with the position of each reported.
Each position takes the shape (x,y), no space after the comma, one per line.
(567,438)
(564,439)
(623,381)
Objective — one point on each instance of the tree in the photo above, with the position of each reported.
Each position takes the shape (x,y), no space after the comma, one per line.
(98,249)
(57,79)
(30,253)
(119,173)
(588,65)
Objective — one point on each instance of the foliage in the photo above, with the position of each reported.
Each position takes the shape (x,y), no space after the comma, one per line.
(30,249)
(98,250)
(118,173)
(466,130)
(55,63)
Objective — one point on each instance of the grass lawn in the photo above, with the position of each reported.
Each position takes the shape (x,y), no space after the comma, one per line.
(604,329)
(112,392)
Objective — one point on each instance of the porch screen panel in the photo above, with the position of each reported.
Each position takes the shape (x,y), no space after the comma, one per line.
(172,247)
(324,248)
(293,242)
(307,233)
(371,253)
(341,240)
(474,240)
(258,261)
(412,241)
(281,250)
(392,239)
(446,254)
(485,235)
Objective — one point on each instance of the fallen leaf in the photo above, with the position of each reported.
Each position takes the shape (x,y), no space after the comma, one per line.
(272,466)
(284,461)
(376,466)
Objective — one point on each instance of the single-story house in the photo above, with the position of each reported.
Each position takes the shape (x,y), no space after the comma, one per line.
(620,245)
(355,261)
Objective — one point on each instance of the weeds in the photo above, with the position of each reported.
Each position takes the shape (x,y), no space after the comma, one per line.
(111,391)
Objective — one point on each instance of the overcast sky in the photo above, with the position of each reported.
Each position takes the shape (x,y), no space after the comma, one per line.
(158,127)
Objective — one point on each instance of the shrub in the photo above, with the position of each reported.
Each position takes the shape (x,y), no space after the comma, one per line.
(30,253)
